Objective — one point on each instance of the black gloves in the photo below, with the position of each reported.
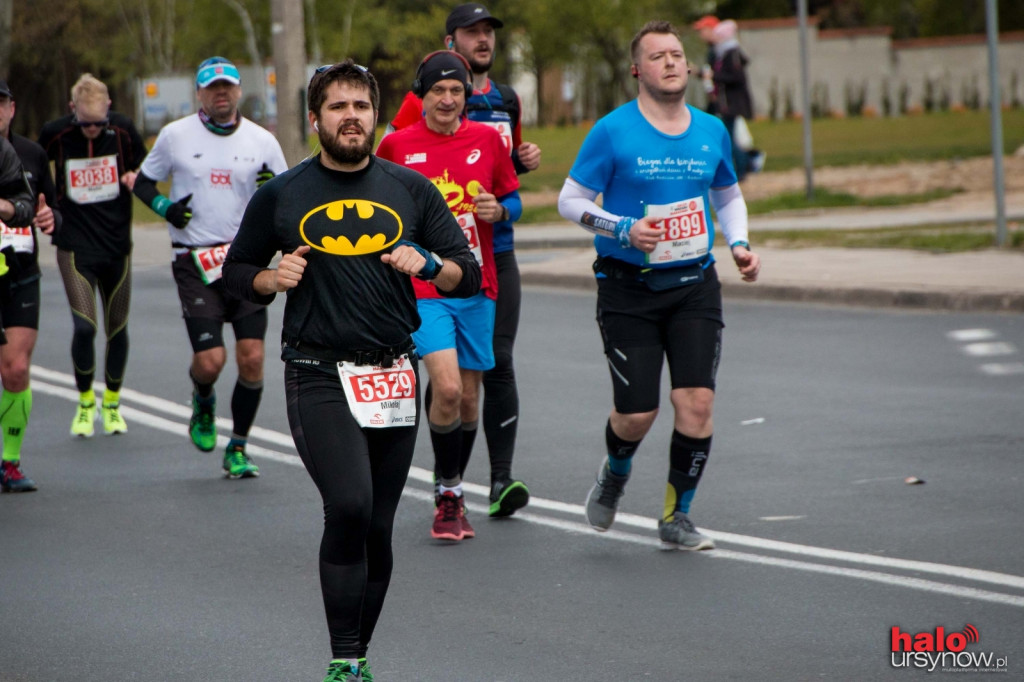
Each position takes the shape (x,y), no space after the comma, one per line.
(263,174)
(178,213)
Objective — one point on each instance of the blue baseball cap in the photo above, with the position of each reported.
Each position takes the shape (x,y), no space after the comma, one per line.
(217,69)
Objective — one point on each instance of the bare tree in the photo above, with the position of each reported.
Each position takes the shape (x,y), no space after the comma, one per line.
(251,47)
(154,35)
(250,33)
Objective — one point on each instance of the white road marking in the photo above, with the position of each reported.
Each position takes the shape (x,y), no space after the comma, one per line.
(42,376)
(1002,369)
(782,518)
(966,335)
(989,349)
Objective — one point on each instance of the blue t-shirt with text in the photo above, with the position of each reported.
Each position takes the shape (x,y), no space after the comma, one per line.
(634,165)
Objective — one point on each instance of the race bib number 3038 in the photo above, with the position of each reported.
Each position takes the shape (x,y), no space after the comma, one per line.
(92,180)
(686,231)
(380,397)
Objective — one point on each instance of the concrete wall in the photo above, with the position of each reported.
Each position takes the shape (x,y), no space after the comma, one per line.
(866,69)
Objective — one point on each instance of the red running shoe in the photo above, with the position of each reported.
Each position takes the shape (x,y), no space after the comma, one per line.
(447,518)
(467,530)
(13,481)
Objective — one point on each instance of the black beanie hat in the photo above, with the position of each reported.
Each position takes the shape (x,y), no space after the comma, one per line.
(441,66)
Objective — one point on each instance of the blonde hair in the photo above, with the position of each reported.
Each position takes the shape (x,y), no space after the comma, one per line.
(89,90)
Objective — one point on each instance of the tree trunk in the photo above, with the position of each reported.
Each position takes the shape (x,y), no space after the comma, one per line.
(289,38)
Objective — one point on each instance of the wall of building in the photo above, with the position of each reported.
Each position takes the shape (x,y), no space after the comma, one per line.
(864,70)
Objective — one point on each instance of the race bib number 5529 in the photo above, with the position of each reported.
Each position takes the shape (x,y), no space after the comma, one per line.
(380,397)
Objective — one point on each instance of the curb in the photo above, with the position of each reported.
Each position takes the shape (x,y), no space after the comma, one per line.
(953,301)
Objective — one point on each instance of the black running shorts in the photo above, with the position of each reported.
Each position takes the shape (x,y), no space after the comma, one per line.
(640,327)
(206,307)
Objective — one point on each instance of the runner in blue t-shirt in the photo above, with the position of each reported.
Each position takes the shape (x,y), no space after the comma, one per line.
(658,292)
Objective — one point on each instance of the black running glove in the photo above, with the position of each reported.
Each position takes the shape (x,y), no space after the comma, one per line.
(179,213)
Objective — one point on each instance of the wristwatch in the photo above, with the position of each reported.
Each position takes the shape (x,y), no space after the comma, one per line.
(435,271)
(745,245)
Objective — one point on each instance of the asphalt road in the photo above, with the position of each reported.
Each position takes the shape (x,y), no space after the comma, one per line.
(136,560)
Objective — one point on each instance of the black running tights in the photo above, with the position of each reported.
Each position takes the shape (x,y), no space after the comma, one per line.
(501,395)
(82,277)
(360,474)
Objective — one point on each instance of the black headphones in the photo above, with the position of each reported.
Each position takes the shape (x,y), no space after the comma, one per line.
(417,85)
(634,71)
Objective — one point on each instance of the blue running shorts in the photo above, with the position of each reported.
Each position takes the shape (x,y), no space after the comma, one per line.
(465,324)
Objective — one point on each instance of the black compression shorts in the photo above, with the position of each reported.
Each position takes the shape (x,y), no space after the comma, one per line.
(206,307)
(640,328)
(21,308)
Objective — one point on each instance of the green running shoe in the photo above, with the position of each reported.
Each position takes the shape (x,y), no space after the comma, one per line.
(82,424)
(507,495)
(113,422)
(343,671)
(202,427)
(364,670)
(237,464)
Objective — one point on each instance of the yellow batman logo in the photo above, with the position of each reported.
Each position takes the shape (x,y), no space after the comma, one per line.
(351,227)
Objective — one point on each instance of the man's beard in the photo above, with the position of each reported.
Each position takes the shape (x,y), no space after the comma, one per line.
(480,67)
(343,153)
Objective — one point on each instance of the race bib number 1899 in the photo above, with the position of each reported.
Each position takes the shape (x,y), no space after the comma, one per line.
(686,231)
(380,397)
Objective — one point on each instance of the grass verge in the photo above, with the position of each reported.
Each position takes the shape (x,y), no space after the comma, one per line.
(932,238)
(824,198)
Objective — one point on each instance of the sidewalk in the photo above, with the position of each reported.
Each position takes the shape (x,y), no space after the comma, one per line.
(992,280)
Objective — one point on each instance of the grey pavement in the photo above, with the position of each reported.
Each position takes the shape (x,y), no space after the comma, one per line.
(990,280)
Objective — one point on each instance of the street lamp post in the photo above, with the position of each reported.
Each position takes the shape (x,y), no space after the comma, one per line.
(995,105)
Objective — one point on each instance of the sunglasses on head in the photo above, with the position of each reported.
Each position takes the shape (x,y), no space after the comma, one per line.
(91,124)
(327,67)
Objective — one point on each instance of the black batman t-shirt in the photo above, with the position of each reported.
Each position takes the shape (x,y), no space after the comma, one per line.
(347,299)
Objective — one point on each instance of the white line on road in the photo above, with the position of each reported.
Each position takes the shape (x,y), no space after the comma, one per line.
(643,523)
(1002,369)
(841,571)
(966,335)
(989,349)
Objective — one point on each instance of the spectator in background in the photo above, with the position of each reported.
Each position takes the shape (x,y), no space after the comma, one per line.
(731,94)
(705,26)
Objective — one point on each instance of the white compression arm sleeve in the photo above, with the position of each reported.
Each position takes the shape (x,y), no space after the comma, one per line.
(731,210)
(576,203)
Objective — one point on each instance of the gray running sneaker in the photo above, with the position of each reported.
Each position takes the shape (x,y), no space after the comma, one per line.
(680,533)
(603,499)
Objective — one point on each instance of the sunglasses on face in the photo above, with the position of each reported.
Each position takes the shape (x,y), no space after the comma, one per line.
(91,124)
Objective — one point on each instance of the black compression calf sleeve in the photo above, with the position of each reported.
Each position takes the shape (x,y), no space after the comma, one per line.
(245,400)
(687,459)
(469,430)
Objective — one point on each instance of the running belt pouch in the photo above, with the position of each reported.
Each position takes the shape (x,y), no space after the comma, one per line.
(662,279)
